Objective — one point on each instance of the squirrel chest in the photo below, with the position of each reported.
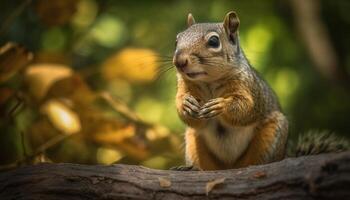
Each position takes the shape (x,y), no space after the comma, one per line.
(225,141)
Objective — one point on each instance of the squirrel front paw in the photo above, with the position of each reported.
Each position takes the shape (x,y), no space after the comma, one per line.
(212,108)
(190,106)
(184,168)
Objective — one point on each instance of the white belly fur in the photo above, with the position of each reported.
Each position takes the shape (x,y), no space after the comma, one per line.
(230,146)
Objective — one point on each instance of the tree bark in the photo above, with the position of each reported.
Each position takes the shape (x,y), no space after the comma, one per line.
(324,176)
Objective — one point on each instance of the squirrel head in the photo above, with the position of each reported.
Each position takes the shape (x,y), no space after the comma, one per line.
(208,51)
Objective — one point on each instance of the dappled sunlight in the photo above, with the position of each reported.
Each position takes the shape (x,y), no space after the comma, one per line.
(256,43)
(157,133)
(54,39)
(157,162)
(108,156)
(285,83)
(86,13)
(150,109)
(108,31)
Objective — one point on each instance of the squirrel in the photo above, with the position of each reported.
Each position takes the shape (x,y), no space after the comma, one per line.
(234,118)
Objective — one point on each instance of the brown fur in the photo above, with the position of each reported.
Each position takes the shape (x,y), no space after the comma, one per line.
(268,134)
(198,153)
(235,119)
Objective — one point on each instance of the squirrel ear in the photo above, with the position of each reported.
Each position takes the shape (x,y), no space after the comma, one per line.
(190,20)
(231,24)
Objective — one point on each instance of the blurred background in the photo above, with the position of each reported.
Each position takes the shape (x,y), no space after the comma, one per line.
(91,81)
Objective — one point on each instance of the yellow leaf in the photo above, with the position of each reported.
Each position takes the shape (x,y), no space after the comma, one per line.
(12,58)
(62,117)
(157,132)
(107,132)
(136,65)
(210,185)
(108,156)
(259,174)
(163,182)
(40,77)
(74,88)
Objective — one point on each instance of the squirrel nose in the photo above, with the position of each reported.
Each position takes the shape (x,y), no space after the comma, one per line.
(181,60)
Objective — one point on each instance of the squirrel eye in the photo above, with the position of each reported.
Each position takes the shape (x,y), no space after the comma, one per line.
(214,41)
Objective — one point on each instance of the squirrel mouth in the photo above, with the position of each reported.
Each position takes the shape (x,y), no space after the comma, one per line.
(195,74)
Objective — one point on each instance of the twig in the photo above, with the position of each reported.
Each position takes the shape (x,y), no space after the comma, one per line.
(41,149)
(123,109)
(18,106)
(52,142)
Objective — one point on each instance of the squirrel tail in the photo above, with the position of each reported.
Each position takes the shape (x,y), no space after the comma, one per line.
(318,142)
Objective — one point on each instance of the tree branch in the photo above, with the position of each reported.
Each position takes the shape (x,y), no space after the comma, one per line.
(324,176)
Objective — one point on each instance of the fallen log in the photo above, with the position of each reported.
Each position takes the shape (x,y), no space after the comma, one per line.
(325,176)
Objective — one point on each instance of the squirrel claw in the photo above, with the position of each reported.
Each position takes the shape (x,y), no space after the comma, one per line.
(189,112)
(191,106)
(192,100)
(184,168)
(212,108)
(209,114)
